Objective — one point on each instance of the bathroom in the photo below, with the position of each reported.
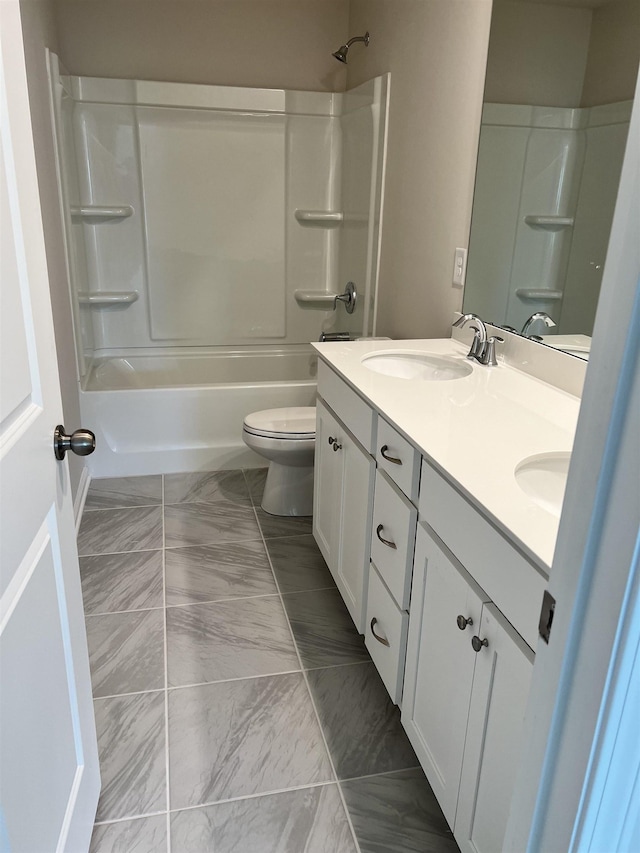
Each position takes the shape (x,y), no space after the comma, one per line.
(435,106)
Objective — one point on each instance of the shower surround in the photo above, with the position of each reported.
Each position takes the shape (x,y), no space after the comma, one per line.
(208,229)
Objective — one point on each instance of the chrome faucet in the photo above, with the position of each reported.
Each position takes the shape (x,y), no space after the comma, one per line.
(479,343)
(539,315)
(483,350)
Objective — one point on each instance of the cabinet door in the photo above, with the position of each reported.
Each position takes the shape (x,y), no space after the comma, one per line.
(342,509)
(355,529)
(440,665)
(327,487)
(501,683)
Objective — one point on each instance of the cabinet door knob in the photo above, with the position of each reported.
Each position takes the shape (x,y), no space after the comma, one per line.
(384,541)
(462,622)
(477,643)
(394,459)
(380,639)
(334,443)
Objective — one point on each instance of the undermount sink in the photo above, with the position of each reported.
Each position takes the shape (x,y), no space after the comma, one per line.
(416,365)
(543,478)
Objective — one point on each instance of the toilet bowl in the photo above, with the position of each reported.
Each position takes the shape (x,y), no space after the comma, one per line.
(287,438)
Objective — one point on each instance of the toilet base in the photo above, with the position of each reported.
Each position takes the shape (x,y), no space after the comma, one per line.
(288,490)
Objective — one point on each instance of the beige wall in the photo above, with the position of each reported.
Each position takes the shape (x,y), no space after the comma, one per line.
(537,54)
(436,53)
(614,52)
(263,43)
(39,30)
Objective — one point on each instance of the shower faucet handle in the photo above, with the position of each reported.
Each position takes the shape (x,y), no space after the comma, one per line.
(349,297)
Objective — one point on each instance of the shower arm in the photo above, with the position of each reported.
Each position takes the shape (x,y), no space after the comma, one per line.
(364,38)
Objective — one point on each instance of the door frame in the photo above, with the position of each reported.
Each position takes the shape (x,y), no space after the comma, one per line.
(580,754)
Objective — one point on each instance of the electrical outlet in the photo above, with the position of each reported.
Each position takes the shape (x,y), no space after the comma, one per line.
(459,267)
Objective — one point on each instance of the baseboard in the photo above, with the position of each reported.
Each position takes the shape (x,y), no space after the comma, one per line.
(81,497)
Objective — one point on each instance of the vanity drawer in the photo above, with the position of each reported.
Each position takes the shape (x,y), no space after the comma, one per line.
(386,634)
(392,538)
(514,584)
(348,406)
(399,459)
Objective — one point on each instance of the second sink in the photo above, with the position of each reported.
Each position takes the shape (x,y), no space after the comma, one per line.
(544,478)
(416,365)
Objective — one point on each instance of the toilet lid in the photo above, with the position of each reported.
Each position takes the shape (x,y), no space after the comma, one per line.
(293,422)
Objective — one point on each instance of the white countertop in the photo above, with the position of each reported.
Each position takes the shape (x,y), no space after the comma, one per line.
(475,429)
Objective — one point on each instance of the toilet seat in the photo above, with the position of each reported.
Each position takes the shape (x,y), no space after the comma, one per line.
(290,424)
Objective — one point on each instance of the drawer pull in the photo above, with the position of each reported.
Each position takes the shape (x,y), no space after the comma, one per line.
(394,459)
(384,541)
(477,643)
(380,639)
(462,622)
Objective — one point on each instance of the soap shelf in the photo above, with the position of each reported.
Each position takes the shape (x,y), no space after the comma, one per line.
(113,297)
(320,300)
(100,212)
(539,295)
(327,218)
(552,223)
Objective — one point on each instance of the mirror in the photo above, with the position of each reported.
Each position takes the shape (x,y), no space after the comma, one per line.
(560,82)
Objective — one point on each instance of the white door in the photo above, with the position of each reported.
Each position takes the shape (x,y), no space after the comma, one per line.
(327,487)
(358,480)
(493,744)
(440,666)
(49,778)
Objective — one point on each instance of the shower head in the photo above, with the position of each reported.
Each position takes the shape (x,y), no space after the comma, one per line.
(341,53)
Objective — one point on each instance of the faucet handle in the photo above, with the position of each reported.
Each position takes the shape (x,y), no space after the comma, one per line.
(490,352)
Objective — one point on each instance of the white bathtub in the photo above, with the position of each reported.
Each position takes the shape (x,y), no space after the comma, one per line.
(166,413)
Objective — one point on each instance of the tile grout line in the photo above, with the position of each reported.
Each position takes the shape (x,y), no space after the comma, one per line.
(274,793)
(313,704)
(173,687)
(166,674)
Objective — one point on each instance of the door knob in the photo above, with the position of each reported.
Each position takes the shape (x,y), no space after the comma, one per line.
(82,442)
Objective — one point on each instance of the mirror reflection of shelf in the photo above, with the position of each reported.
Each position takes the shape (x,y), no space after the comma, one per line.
(539,295)
(552,223)
(101,212)
(319,300)
(114,297)
(323,218)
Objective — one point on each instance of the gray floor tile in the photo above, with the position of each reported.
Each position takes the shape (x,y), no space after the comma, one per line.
(115,492)
(131,743)
(114,582)
(206,486)
(216,572)
(228,639)
(397,812)
(209,523)
(283,525)
(310,820)
(109,531)
(298,564)
(126,652)
(360,723)
(142,835)
(235,738)
(324,631)
(256,478)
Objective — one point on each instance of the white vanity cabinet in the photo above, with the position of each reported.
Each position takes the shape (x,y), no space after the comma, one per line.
(343,500)
(465,690)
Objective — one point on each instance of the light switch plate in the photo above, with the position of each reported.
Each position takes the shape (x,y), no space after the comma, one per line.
(459,267)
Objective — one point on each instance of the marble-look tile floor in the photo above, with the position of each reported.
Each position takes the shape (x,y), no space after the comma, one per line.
(237,708)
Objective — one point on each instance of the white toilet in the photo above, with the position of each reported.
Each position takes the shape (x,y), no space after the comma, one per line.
(287,437)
